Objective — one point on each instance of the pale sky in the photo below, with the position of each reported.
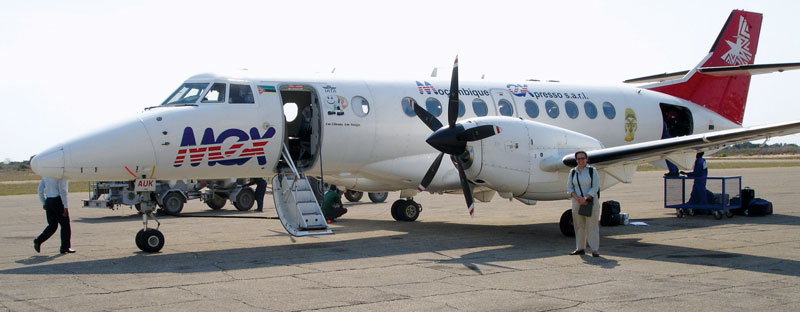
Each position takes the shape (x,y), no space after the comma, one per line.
(70,67)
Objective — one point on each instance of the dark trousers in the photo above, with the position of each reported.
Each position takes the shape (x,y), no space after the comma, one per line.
(55,211)
(261,189)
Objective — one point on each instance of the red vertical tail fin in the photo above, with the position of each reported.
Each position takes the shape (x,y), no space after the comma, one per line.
(727,94)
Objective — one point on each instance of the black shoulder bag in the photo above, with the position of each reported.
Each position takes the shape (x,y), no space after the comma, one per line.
(585,210)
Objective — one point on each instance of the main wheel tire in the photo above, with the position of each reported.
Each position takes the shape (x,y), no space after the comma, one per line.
(378,197)
(396,207)
(717,215)
(216,202)
(150,241)
(408,211)
(679,212)
(565,224)
(245,199)
(173,203)
(353,196)
(139,240)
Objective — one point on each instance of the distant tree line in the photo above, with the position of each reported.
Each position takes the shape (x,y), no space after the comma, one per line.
(750,149)
(15,165)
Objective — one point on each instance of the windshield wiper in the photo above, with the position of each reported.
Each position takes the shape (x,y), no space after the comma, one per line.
(169,105)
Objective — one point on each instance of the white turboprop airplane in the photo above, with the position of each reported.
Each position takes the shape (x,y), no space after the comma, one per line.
(514,138)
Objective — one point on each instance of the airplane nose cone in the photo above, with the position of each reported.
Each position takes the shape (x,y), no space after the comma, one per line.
(49,163)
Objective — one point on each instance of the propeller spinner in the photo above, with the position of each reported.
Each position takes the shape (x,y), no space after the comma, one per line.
(451,140)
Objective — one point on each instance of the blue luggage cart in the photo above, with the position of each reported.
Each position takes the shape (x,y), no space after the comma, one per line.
(717,196)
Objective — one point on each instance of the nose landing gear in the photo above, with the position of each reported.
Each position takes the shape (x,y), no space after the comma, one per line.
(148,239)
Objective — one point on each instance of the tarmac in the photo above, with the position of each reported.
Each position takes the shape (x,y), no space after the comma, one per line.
(510,257)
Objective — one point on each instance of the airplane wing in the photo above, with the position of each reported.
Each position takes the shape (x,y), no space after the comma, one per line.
(646,152)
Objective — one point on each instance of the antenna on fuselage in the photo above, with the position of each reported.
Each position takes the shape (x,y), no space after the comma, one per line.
(333,70)
(435,72)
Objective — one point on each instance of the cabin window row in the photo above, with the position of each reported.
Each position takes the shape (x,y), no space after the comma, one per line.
(505,108)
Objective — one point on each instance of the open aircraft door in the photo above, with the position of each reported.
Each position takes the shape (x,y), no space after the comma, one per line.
(503,103)
(271,116)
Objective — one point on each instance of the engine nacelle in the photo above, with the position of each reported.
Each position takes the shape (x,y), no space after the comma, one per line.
(510,161)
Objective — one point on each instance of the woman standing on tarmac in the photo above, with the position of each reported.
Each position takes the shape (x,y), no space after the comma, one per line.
(582,187)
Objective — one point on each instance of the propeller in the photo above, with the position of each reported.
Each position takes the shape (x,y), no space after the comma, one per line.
(452,139)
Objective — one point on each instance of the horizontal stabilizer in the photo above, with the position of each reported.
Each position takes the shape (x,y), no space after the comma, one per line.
(754,69)
(721,71)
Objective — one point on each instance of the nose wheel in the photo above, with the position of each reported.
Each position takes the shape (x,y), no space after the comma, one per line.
(147,239)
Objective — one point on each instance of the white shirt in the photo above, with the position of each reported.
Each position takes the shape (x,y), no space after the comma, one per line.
(53,188)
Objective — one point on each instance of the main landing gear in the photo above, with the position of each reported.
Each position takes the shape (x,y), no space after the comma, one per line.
(406,210)
(565,224)
(148,239)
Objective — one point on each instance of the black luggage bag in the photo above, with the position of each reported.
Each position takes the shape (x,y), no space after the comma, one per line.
(610,215)
(759,207)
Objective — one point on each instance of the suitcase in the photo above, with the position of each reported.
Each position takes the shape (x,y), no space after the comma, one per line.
(610,213)
(747,195)
(736,201)
(759,207)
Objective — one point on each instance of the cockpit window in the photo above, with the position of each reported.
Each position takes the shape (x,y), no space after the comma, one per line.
(216,94)
(241,94)
(188,93)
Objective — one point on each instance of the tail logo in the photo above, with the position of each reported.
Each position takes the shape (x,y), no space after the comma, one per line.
(739,54)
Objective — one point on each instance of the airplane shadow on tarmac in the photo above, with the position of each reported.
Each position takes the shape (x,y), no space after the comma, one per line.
(434,241)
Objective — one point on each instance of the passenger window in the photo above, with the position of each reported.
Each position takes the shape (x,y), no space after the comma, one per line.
(551,108)
(590,109)
(609,110)
(505,107)
(241,94)
(433,106)
(531,108)
(408,106)
(480,108)
(572,109)
(360,106)
(216,94)
(461,108)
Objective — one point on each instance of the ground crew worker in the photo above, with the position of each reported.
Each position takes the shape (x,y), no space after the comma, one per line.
(332,205)
(53,195)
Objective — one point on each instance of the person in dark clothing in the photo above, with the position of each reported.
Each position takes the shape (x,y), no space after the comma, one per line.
(673,169)
(699,174)
(53,195)
(332,205)
(261,189)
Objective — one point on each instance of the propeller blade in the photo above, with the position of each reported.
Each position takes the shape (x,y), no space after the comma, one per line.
(429,120)
(478,133)
(426,181)
(465,186)
(452,105)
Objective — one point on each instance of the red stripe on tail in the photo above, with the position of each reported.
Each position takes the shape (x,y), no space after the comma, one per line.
(736,45)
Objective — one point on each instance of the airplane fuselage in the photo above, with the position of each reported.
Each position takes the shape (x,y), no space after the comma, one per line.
(365,135)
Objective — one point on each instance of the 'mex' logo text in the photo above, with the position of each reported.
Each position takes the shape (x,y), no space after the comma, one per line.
(246,147)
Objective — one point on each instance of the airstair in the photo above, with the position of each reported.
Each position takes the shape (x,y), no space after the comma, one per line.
(297,207)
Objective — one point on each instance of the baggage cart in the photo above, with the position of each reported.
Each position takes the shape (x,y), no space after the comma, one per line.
(719,191)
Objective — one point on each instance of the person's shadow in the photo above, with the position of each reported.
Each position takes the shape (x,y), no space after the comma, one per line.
(38,259)
(600,261)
